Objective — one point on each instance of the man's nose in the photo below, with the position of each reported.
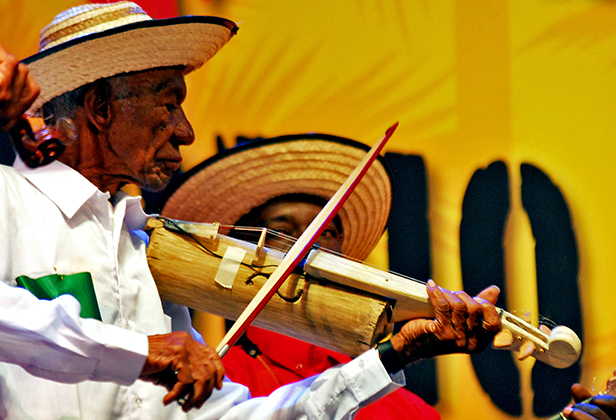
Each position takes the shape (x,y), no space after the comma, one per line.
(184,133)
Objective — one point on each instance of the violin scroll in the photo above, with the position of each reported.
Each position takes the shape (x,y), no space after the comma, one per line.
(38,147)
(565,347)
(560,348)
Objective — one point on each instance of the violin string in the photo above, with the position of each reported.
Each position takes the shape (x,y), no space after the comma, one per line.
(285,242)
(282,240)
(547,322)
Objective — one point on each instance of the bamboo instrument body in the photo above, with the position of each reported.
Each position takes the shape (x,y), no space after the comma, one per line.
(344,305)
(332,316)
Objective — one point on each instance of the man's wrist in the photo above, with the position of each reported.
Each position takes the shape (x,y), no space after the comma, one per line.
(390,358)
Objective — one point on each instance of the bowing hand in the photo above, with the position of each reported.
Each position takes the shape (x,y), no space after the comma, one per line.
(188,369)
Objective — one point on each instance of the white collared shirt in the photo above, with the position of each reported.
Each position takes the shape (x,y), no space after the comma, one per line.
(53,220)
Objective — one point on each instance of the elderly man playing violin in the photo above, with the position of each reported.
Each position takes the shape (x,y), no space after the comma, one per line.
(111,92)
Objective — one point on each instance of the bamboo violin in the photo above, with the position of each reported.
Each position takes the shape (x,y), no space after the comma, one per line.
(330,300)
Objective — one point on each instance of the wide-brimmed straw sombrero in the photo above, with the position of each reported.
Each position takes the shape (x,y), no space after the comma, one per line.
(230,184)
(94,41)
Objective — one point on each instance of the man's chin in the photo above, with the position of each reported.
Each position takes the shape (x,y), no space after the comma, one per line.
(156,183)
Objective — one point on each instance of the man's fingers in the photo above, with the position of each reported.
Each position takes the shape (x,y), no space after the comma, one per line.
(31,91)
(20,78)
(474,319)
(468,317)
(193,399)
(490,294)
(18,90)
(586,412)
(483,322)
(459,316)
(442,311)
(179,391)
(8,67)
(201,391)
(475,312)
(491,319)
(206,373)
(26,89)
(204,380)
(606,403)
(450,314)
(461,324)
(526,350)
(220,372)
(579,393)
(503,340)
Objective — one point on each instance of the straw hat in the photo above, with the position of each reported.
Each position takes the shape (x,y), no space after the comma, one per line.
(94,41)
(230,184)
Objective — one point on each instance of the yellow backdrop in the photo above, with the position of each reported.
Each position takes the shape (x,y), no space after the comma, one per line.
(470,82)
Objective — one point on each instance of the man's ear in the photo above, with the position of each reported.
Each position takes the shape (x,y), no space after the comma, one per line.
(97,104)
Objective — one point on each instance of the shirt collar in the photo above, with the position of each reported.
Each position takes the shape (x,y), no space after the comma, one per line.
(63,185)
(69,190)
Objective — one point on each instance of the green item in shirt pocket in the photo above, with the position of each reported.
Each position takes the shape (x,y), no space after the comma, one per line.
(78,285)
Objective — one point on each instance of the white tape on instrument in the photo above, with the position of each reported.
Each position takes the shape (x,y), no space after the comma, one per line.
(229,266)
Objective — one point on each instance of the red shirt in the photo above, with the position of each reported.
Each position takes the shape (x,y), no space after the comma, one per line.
(285,360)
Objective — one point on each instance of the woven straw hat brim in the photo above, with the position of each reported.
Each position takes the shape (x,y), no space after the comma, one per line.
(184,41)
(228,185)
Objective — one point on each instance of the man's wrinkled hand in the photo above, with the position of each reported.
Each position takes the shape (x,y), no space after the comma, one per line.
(462,324)
(188,369)
(18,90)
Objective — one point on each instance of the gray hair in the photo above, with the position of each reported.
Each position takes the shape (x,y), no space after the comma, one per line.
(65,105)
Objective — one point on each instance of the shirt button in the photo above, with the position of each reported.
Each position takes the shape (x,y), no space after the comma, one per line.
(299,366)
(138,401)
